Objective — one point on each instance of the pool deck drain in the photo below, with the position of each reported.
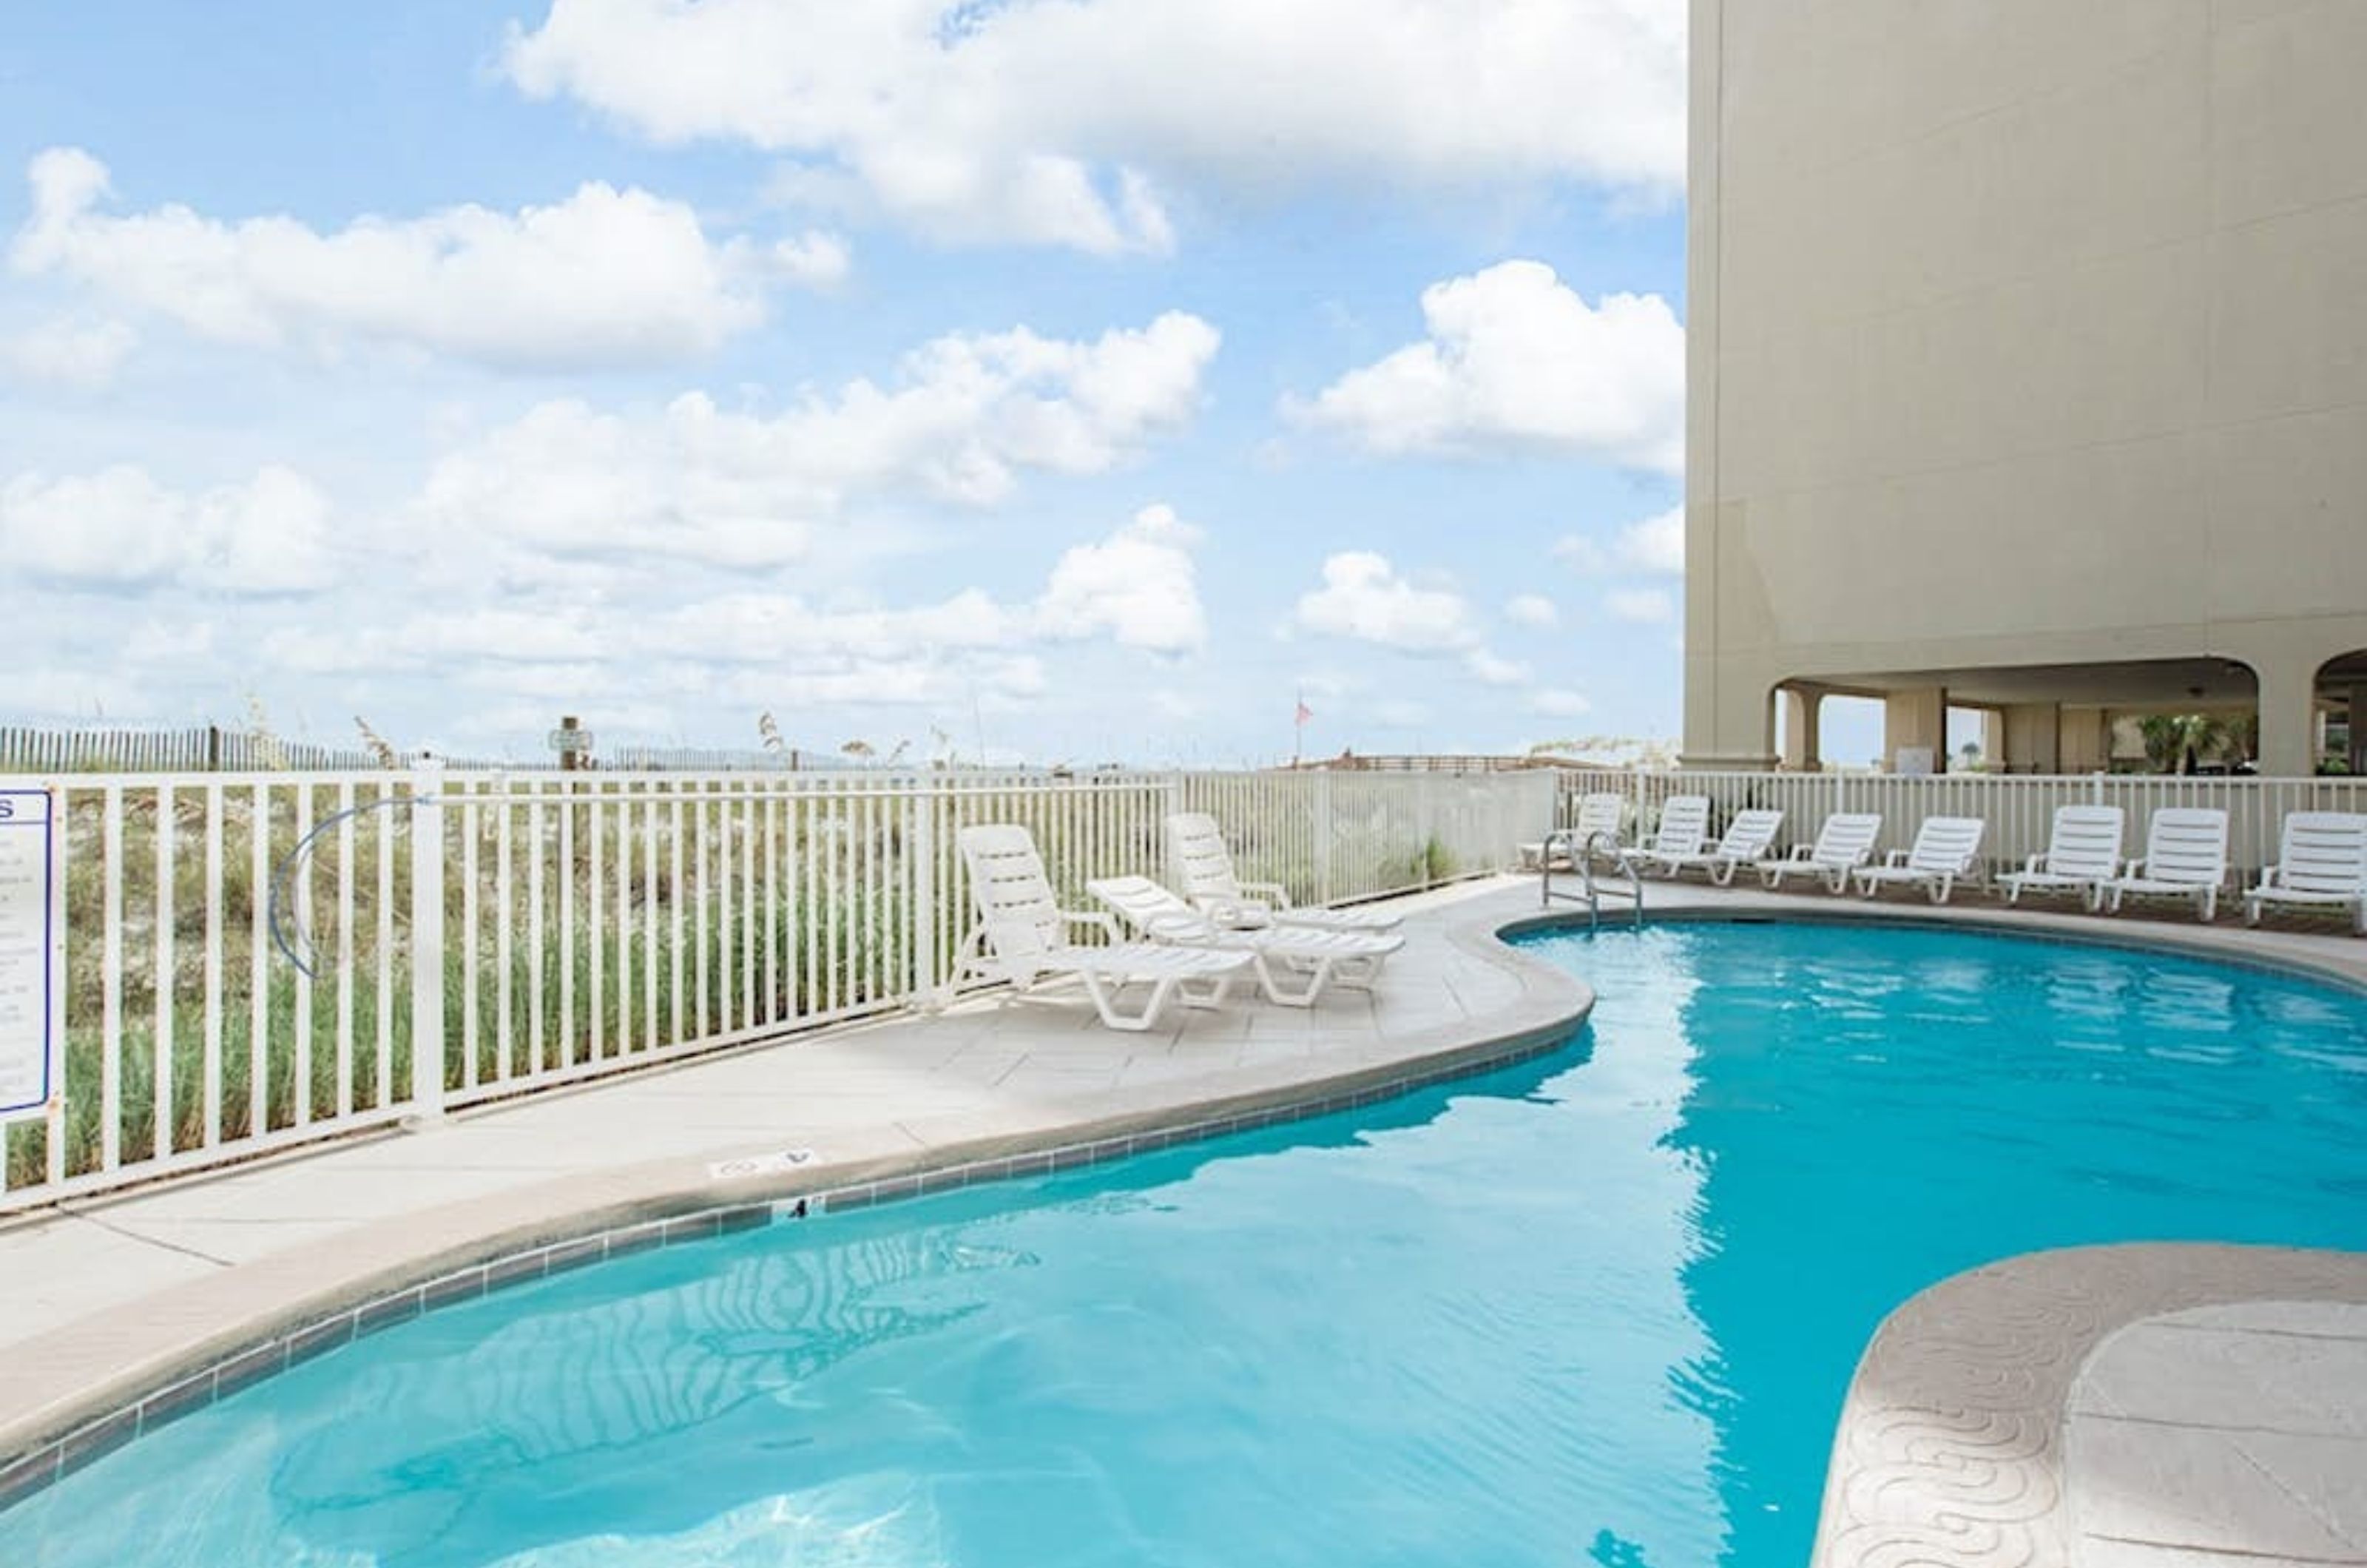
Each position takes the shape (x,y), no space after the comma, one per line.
(110,1300)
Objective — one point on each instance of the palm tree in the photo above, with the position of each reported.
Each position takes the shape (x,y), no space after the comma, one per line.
(2175,741)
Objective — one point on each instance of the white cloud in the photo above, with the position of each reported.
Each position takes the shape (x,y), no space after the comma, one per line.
(1560,703)
(1582,553)
(1643,606)
(1657,544)
(1515,359)
(1364,598)
(1008,678)
(606,277)
(1065,123)
(120,529)
(966,413)
(1530,609)
(1495,672)
(1138,585)
(168,642)
(78,695)
(1133,588)
(1400,714)
(82,354)
(811,261)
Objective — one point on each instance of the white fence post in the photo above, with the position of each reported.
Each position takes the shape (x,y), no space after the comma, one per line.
(427,1041)
(927,896)
(837,952)
(1321,831)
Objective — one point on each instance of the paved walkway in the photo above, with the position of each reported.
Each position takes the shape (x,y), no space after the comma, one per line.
(114,1297)
(118,1296)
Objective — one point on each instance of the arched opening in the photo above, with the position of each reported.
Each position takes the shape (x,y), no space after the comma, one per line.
(2196,714)
(1976,739)
(2212,726)
(1820,728)
(2339,742)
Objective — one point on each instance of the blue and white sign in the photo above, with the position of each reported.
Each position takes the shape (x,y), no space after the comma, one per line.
(32,953)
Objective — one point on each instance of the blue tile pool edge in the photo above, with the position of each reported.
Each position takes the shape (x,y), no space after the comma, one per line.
(1988,923)
(182,1392)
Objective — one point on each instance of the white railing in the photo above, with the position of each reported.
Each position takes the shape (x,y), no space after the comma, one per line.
(245,958)
(2018,807)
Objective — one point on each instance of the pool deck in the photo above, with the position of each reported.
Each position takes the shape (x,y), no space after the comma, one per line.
(2068,1408)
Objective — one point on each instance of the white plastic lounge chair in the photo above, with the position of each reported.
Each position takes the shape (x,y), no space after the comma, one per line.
(1203,869)
(1946,849)
(1845,843)
(2186,857)
(1748,838)
(1683,829)
(1022,937)
(2321,863)
(1601,811)
(2082,854)
(1293,963)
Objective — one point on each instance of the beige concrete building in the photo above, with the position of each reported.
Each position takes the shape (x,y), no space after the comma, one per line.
(2028,358)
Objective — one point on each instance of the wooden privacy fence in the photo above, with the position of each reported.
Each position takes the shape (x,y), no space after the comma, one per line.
(247,960)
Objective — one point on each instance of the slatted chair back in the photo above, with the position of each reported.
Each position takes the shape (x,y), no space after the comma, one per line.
(1683,827)
(1198,860)
(1846,839)
(2187,845)
(2324,851)
(2085,841)
(1014,895)
(1944,846)
(1601,811)
(1750,834)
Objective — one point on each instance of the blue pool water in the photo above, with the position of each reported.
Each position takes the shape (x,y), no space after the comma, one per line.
(1602,1306)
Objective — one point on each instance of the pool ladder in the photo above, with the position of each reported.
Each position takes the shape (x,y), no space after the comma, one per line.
(1582,855)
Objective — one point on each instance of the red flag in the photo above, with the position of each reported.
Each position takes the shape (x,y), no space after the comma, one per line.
(1305,712)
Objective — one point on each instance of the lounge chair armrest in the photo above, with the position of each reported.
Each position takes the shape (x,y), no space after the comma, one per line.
(1239,913)
(2030,866)
(1895,857)
(1800,853)
(1176,926)
(1274,894)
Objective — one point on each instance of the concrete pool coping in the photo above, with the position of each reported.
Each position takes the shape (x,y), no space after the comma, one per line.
(207,1284)
(127,1312)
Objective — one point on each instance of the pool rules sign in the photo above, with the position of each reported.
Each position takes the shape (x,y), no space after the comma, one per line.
(32,953)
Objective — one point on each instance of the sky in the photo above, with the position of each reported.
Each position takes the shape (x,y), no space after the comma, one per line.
(1046,380)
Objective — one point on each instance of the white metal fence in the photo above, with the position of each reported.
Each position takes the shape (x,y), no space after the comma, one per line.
(2018,807)
(248,958)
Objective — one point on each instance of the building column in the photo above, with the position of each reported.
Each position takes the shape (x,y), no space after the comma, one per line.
(2033,738)
(1916,721)
(1803,709)
(2083,740)
(2354,701)
(2288,716)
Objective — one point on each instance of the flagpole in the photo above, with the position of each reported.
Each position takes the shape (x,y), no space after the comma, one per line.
(1298,724)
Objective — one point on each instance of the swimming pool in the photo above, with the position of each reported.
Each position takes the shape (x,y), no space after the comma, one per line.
(1605,1303)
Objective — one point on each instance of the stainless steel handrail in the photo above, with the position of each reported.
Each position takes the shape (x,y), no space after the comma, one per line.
(1581,856)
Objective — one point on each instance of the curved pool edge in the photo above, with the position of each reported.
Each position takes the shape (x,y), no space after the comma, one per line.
(2302,955)
(1954,1449)
(78,1393)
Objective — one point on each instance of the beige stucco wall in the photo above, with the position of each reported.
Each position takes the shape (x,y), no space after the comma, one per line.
(2023,333)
